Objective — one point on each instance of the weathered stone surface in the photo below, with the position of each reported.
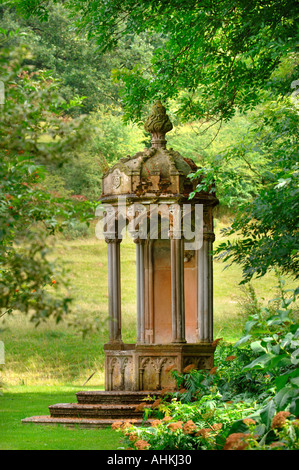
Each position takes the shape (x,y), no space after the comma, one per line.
(98,409)
(115,397)
(152,364)
(174,284)
(156,171)
(81,422)
(79,410)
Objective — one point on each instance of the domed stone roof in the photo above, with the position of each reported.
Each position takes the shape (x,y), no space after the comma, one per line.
(154,172)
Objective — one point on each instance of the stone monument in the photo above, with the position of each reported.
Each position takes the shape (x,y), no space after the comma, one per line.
(174,285)
(148,195)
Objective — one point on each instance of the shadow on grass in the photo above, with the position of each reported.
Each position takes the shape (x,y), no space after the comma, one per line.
(21,403)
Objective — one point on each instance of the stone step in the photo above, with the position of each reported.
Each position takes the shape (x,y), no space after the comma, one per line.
(81,422)
(79,410)
(115,397)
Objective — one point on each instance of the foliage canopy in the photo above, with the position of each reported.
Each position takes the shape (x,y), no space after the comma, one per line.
(34,133)
(216,56)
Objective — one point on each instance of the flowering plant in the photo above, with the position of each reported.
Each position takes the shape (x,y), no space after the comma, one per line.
(248,400)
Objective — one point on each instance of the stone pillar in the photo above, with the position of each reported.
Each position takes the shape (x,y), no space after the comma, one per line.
(113,245)
(205,289)
(149,292)
(177,286)
(140,290)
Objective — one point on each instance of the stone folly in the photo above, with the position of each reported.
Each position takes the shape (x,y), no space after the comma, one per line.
(174,285)
(174,305)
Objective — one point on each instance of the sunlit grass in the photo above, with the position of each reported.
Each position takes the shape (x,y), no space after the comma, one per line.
(50,363)
(58,354)
(22,401)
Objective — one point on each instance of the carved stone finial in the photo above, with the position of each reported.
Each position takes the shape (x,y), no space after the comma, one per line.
(158,123)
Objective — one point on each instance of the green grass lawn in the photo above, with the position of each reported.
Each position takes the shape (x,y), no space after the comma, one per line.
(17,402)
(48,364)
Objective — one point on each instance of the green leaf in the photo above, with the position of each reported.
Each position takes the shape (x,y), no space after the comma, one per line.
(249,325)
(243,340)
(267,413)
(260,362)
(256,346)
(285,396)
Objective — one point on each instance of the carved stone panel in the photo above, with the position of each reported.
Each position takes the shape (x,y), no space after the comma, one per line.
(119,372)
(148,367)
(153,372)
(200,362)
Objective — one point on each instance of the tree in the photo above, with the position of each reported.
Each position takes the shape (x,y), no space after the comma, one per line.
(216,56)
(265,228)
(34,132)
(77,62)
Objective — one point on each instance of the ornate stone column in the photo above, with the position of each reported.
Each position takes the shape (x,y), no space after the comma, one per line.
(140,243)
(177,286)
(114,289)
(149,292)
(205,289)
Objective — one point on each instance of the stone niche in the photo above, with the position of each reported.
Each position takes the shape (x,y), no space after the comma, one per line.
(174,304)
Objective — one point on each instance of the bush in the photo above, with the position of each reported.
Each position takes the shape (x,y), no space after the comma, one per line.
(249,400)
(75,229)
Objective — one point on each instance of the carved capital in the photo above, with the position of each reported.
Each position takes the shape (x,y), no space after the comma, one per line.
(112,238)
(209,236)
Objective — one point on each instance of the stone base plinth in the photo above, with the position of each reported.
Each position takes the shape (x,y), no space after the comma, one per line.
(98,409)
(133,373)
(148,366)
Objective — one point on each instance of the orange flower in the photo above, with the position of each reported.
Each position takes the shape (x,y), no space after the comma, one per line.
(189,368)
(213,371)
(156,403)
(249,421)
(276,444)
(169,368)
(175,426)
(54,281)
(141,444)
(156,423)
(116,424)
(216,341)
(140,407)
(204,432)
(279,419)
(236,441)
(189,427)
(126,424)
(167,418)
(217,426)
(133,437)
(230,358)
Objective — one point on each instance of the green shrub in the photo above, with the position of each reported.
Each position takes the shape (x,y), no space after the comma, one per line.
(75,229)
(249,400)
